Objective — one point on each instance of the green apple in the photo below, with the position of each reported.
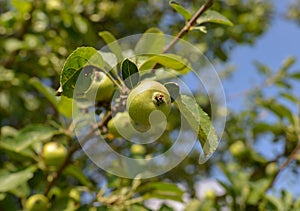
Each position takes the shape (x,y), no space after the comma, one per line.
(147,97)
(271,169)
(54,154)
(138,149)
(37,202)
(54,193)
(121,126)
(238,148)
(101,89)
(74,195)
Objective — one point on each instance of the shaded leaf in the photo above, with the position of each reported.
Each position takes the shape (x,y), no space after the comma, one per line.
(33,134)
(258,189)
(112,44)
(152,41)
(287,64)
(264,69)
(138,207)
(164,207)
(181,10)
(65,106)
(278,109)
(78,174)
(263,127)
(161,190)
(11,181)
(130,73)
(290,97)
(201,124)
(172,61)
(193,205)
(272,203)
(173,89)
(48,92)
(213,17)
(82,59)
(295,75)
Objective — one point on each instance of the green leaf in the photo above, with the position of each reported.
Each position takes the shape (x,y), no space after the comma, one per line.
(168,60)
(263,127)
(164,207)
(213,17)
(130,73)
(194,205)
(278,109)
(138,207)
(81,59)
(152,41)
(295,75)
(290,97)
(287,199)
(76,172)
(287,64)
(161,190)
(181,10)
(257,190)
(48,92)
(32,134)
(11,181)
(65,106)
(264,69)
(112,44)
(272,203)
(173,89)
(201,124)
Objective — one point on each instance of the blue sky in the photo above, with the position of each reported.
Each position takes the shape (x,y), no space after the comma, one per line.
(279,42)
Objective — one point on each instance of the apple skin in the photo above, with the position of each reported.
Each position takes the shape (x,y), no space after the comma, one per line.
(37,202)
(138,149)
(122,121)
(145,98)
(54,154)
(271,169)
(74,195)
(238,149)
(102,88)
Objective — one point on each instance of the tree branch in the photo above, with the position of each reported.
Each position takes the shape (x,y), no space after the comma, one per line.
(73,149)
(186,28)
(189,24)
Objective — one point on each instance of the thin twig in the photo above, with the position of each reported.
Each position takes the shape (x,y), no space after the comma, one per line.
(291,156)
(189,24)
(186,28)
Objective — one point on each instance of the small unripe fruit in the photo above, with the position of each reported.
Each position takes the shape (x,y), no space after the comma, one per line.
(271,169)
(237,149)
(75,195)
(37,202)
(54,154)
(54,193)
(210,194)
(101,89)
(137,149)
(121,126)
(147,97)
